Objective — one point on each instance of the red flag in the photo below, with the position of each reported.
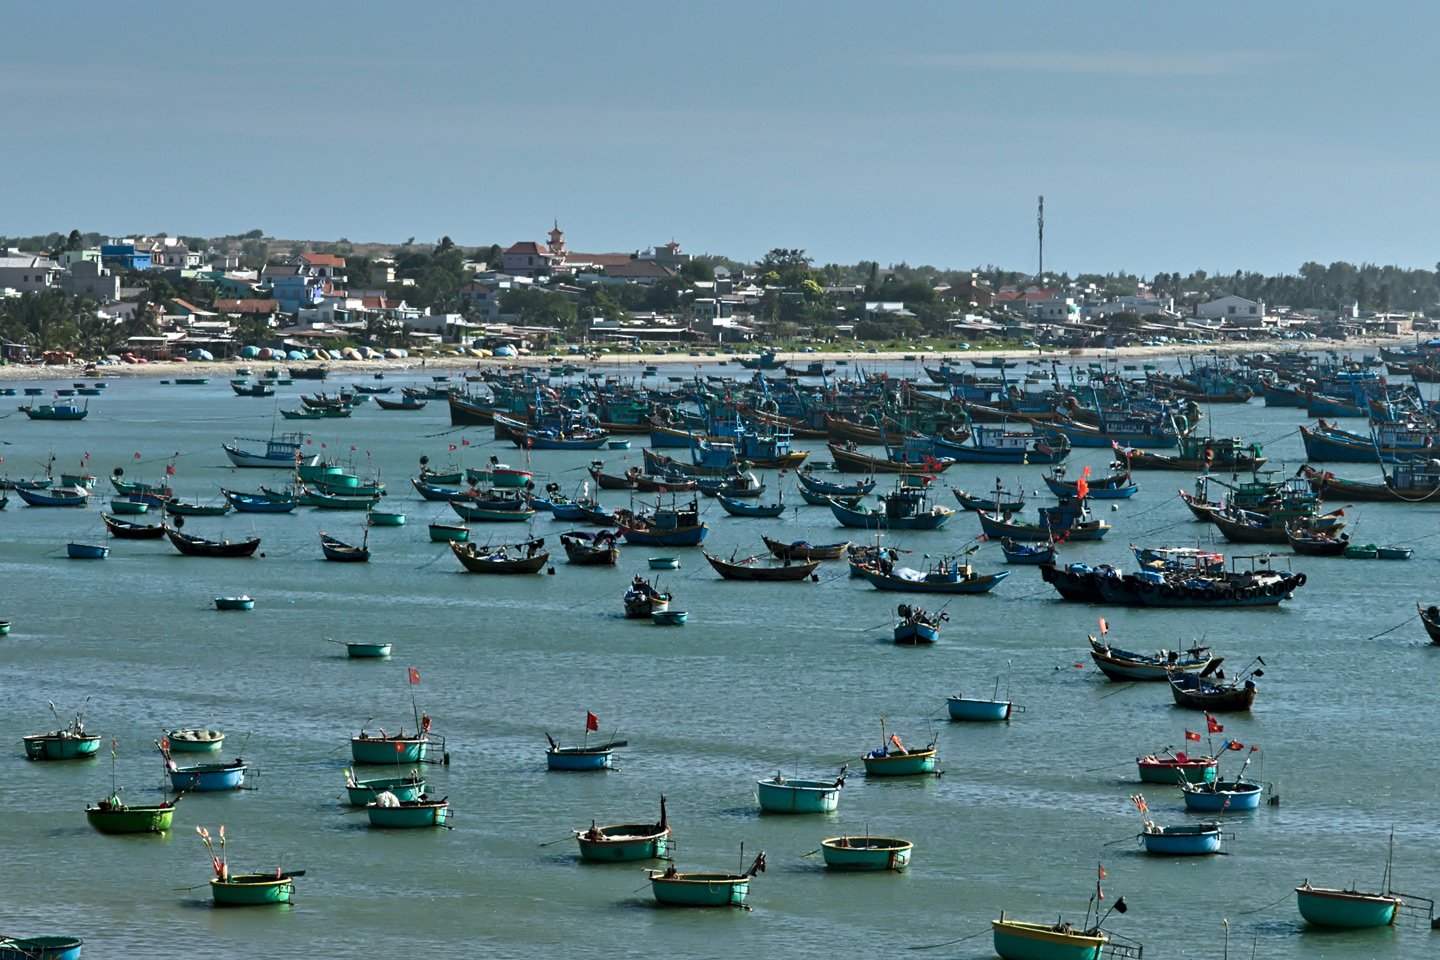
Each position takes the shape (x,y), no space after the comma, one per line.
(1253,749)
(1104,627)
(414,675)
(1234,745)
(452,448)
(1085,472)
(464,443)
(1214,727)
(137,456)
(1082,489)
(592,722)
(1192,736)
(1102,871)
(322,446)
(399,747)
(169,469)
(352,447)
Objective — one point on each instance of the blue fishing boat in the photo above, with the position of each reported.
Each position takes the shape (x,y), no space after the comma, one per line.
(1029,553)
(367,650)
(1117,486)
(1000,445)
(664,563)
(234,603)
(1186,840)
(473,510)
(971,709)
(739,508)
(779,795)
(432,491)
(581,758)
(676,526)
(282,452)
(206,777)
(824,488)
(1111,429)
(1387,442)
(916,627)
(943,576)
(56,497)
(1223,796)
(249,503)
(86,551)
(1069,520)
(669,618)
(363,792)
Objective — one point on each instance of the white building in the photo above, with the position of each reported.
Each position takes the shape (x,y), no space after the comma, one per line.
(25,273)
(1231,308)
(1143,306)
(1056,309)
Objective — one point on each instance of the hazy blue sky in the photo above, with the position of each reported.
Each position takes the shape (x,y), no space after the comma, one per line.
(1163,136)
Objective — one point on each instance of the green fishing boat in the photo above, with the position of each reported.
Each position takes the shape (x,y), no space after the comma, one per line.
(195,741)
(1346,908)
(378,518)
(626,842)
(61,745)
(390,811)
(1039,941)
(445,532)
(704,889)
(252,889)
(893,759)
(867,853)
(112,816)
(387,750)
(182,509)
(128,507)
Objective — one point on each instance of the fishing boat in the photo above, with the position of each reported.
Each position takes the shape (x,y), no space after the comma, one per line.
(907,507)
(110,815)
(804,550)
(583,757)
(704,889)
(1395,553)
(389,811)
(1313,543)
(384,518)
(673,526)
(663,563)
(1346,909)
(642,600)
(779,795)
(55,497)
(430,489)
(253,889)
(916,627)
(72,743)
(261,389)
(200,547)
(56,411)
(977,710)
(852,461)
(1118,664)
(206,777)
(866,853)
(86,551)
(1000,501)
(739,485)
(195,741)
(125,530)
(182,509)
(1042,941)
(892,759)
(474,512)
(449,532)
(234,603)
(1174,768)
(752,569)
(587,549)
(40,948)
(408,403)
(283,452)
(1362,551)
(367,649)
(1222,796)
(737,508)
(999,444)
(363,792)
(1185,840)
(842,491)
(477,559)
(669,618)
(330,501)
(1197,692)
(77,481)
(498,474)
(946,575)
(1027,553)
(1430,620)
(626,842)
(1116,486)
(341,552)
(1070,520)
(128,507)
(390,750)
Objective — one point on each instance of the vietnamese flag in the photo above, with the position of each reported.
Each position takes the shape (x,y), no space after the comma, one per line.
(1104,627)
(452,448)
(1082,489)
(592,722)
(1214,727)
(1192,736)
(414,675)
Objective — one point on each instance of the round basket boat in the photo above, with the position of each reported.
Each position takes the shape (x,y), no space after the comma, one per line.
(867,853)
(252,890)
(195,741)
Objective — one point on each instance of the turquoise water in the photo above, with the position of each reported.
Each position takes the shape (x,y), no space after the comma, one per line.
(792,677)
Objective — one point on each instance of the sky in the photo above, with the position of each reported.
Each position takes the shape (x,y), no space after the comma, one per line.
(1164,137)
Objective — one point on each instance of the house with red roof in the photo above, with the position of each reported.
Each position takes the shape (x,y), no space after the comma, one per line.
(528,258)
(325,265)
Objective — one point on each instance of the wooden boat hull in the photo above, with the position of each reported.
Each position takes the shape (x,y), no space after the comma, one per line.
(700,889)
(676,537)
(53,498)
(1035,941)
(486,515)
(409,817)
(866,853)
(803,550)
(877,520)
(576,758)
(798,796)
(389,751)
(208,778)
(86,551)
(477,564)
(131,819)
(979,710)
(1345,909)
(1184,841)
(125,530)
(997,529)
(624,843)
(979,583)
(197,547)
(61,748)
(901,765)
(767,574)
(912,634)
(252,890)
(1192,693)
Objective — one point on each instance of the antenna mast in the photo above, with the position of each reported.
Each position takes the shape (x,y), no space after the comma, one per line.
(1040,223)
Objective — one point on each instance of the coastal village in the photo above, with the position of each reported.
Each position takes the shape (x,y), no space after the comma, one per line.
(161,298)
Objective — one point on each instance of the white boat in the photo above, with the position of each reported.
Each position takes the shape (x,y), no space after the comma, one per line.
(282,452)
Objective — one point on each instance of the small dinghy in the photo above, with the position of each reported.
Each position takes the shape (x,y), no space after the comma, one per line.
(583,757)
(40,948)
(866,853)
(622,842)
(195,741)
(245,889)
(779,795)
(893,759)
(234,603)
(704,889)
(364,792)
(388,810)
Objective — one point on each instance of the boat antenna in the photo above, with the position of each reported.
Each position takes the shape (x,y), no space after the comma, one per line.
(112,777)
(1389,864)
(1009,666)
(1227,938)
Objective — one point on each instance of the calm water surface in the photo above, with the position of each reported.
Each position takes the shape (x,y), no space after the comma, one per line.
(765,677)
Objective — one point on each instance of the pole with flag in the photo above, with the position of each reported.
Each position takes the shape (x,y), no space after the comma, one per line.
(414,680)
(592,722)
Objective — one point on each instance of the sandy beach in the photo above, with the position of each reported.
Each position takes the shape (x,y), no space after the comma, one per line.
(415,365)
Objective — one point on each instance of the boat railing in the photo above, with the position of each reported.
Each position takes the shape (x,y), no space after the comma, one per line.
(1121,948)
(1415,909)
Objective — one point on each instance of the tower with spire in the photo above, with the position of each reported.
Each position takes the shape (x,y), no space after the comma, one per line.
(557,243)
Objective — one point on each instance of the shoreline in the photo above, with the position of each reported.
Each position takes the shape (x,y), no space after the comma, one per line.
(413,366)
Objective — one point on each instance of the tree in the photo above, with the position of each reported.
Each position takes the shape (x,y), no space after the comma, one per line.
(74,241)
(697,271)
(539,308)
